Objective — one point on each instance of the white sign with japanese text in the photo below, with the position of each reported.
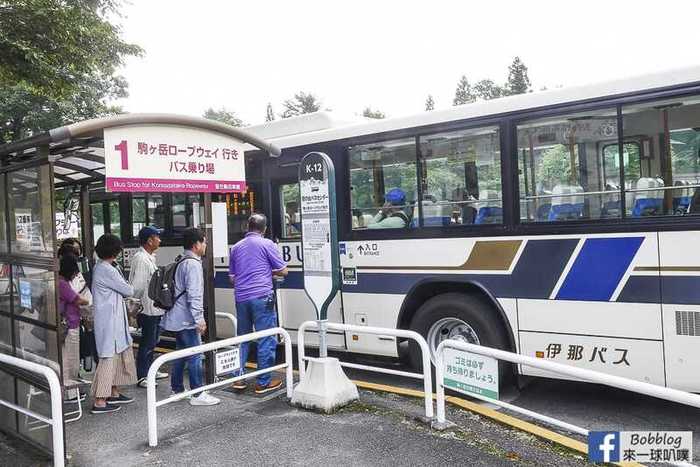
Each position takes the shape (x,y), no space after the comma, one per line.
(470,373)
(171,158)
(228,361)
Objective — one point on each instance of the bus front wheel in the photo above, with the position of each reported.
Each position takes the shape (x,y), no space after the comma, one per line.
(462,317)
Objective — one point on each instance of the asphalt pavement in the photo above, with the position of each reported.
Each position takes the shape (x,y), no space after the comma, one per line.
(245,429)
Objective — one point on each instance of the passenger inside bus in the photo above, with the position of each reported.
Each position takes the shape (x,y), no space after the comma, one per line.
(391,216)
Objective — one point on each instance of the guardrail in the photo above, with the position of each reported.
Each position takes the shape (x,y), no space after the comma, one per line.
(153,404)
(591,376)
(56,420)
(402,333)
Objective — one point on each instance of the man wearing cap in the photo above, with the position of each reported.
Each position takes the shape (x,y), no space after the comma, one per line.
(143,265)
(391,215)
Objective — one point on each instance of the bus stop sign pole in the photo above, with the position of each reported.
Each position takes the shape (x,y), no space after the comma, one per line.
(319,237)
(324,385)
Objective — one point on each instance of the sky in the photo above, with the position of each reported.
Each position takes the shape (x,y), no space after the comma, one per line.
(387,55)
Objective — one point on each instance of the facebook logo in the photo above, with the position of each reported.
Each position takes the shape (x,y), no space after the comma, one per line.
(604,446)
(341,247)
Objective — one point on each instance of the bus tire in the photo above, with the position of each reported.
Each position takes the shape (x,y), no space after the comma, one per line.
(461,314)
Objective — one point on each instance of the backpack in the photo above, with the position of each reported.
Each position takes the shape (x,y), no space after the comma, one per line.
(161,288)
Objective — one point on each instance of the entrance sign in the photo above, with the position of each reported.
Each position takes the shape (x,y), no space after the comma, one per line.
(470,373)
(172,158)
(319,235)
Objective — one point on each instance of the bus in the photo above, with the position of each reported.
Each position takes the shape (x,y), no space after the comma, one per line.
(559,224)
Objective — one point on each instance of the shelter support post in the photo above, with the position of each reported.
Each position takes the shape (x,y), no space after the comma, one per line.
(209,296)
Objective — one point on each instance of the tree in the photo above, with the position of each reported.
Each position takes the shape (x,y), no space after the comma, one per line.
(50,47)
(269,114)
(302,103)
(224,116)
(58,64)
(518,81)
(429,103)
(486,89)
(369,113)
(23,112)
(463,93)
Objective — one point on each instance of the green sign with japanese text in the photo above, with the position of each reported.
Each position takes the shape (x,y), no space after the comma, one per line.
(470,373)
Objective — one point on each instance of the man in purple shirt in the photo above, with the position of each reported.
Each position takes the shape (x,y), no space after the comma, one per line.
(252,263)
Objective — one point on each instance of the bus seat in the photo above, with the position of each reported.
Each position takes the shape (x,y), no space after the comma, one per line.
(568,205)
(648,203)
(543,211)
(489,215)
(436,213)
(681,199)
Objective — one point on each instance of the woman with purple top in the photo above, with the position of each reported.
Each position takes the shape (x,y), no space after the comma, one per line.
(69,303)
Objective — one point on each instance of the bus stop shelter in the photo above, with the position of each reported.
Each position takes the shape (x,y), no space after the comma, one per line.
(32,172)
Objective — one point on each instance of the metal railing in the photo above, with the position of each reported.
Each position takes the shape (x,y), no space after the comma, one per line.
(153,404)
(230,317)
(56,420)
(426,376)
(591,376)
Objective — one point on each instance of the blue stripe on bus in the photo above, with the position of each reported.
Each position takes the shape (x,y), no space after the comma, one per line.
(641,289)
(680,290)
(539,268)
(683,290)
(599,267)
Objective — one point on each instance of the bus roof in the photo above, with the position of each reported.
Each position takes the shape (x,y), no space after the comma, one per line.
(320,127)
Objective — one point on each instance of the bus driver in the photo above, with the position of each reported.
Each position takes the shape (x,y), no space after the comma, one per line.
(391,216)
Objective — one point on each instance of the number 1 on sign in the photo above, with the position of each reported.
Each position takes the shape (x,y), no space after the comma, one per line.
(124,150)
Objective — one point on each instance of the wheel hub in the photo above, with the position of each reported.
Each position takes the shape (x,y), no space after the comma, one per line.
(450,328)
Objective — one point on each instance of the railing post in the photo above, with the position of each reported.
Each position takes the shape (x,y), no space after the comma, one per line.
(59,452)
(151,402)
(289,359)
(427,375)
(440,389)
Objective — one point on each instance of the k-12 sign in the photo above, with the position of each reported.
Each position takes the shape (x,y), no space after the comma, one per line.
(172,158)
(319,231)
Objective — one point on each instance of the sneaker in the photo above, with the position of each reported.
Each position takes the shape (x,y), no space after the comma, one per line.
(143,383)
(204,399)
(106,409)
(271,386)
(120,399)
(161,375)
(240,385)
(173,393)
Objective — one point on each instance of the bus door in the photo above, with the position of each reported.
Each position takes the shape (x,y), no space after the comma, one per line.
(294,307)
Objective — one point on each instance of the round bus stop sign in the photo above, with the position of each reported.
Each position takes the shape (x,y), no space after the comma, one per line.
(319,233)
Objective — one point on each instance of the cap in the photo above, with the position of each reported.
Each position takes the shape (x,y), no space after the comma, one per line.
(146,232)
(395,196)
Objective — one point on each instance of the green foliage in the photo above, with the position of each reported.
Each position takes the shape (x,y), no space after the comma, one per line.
(58,64)
(224,116)
(429,103)
(52,48)
(554,167)
(369,113)
(463,93)
(23,112)
(269,114)
(518,80)
(487,89)
(302,103)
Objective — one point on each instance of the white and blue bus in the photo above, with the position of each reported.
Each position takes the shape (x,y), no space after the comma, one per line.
(559,224)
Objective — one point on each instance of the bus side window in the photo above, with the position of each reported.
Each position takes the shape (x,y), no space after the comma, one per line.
(560,175)
(461,178)
(670,153)
(383,185)
(290,215)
